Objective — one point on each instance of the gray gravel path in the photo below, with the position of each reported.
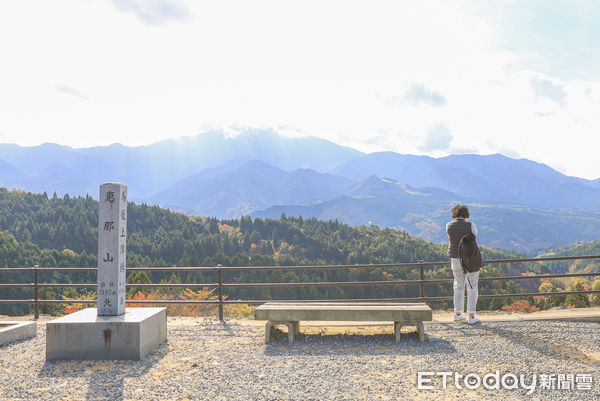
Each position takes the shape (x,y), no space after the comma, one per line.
(205,359)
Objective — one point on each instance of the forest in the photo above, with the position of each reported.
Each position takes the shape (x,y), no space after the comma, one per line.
(49,231)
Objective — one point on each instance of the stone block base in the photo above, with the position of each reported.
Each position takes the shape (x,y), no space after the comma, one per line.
(17,331)
(84,335)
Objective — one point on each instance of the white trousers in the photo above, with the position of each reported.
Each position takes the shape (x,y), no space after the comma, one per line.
(471,280)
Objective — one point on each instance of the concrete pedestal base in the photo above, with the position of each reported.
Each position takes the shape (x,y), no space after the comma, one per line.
(16,331)
(84,335)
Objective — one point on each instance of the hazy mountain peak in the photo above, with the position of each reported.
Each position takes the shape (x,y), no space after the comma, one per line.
(234,188)
(148,170)
(151,168)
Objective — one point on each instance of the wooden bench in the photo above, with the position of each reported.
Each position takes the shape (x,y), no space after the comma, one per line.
(291,314)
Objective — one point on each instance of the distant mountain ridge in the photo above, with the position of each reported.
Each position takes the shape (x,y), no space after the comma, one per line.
(235,190)
(150,169)
(493,178)
(520,204)
(525,229)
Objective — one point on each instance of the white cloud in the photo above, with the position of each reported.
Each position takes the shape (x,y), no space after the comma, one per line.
(67,90)
(154,12)
(419,94)
(545,88)
(438,137)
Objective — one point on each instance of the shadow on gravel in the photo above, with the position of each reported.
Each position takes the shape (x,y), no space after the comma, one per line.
(16,342)
(105,377)
(228,327)
(558,351)
(213,329)
(369,344)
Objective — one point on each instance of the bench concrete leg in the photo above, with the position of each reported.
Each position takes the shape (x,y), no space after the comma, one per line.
(419,325)
(292,327)
(268,331)
(397,328)
(291,331)
(421,329)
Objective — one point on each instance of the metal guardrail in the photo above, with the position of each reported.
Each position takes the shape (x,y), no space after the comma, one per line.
(219,285)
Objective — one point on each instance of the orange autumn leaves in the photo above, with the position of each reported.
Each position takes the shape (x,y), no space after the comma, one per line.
(177,309)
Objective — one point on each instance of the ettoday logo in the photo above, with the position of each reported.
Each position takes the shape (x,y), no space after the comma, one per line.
(508,381)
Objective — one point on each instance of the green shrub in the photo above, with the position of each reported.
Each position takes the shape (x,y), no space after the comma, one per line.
(595,298)
(577,300)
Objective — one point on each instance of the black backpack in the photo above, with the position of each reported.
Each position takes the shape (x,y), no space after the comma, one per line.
(470,256)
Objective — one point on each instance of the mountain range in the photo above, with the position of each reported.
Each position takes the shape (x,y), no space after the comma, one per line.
(149,169)
(254,185)
(517,203)
(493,178)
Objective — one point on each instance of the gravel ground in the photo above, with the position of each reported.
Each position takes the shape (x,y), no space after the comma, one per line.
(206,359)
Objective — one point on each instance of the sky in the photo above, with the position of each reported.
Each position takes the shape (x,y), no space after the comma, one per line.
(521,78)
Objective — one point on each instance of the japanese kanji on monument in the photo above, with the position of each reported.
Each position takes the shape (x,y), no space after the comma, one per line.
(112,249)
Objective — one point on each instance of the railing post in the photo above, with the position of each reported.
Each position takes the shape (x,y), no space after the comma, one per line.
(220,289)
(36,294)
(421,277)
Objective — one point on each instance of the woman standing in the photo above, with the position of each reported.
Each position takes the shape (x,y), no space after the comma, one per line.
(456,229)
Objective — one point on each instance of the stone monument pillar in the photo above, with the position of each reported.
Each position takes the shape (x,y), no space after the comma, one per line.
(112,249)
(108,331)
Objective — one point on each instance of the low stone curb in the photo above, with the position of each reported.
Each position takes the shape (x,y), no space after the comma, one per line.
(17,331)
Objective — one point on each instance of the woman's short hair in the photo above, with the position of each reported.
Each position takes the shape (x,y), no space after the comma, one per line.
(460,211)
